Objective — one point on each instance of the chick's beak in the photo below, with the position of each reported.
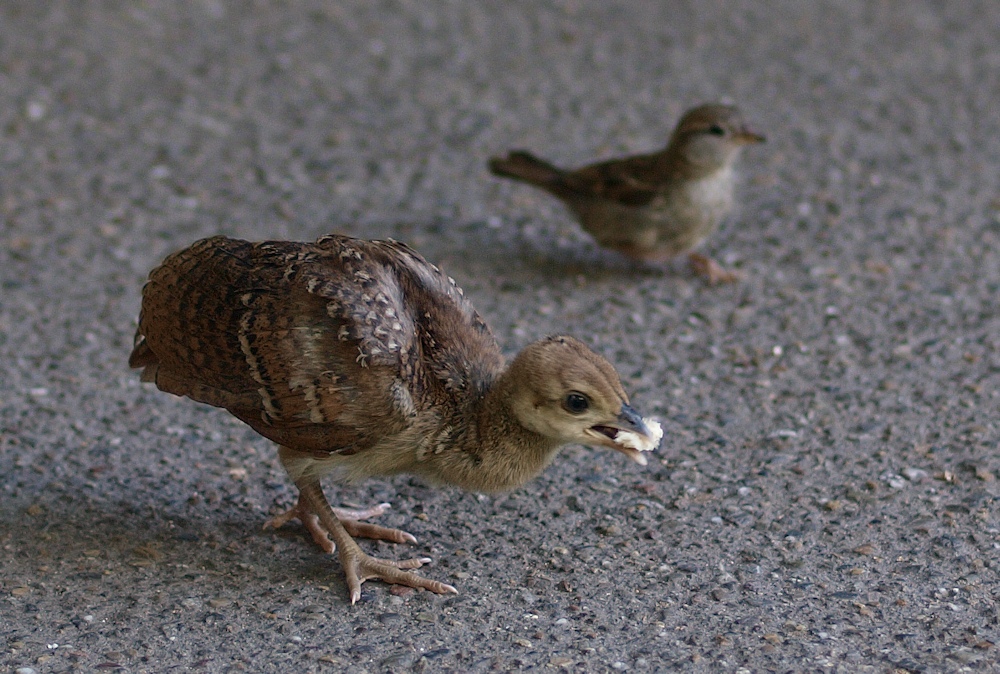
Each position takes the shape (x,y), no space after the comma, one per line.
(629,419)
(629,433)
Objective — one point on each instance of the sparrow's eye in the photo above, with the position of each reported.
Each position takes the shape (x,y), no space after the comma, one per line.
(716,130)
(576,403)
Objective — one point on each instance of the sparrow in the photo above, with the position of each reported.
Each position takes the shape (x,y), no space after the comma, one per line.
(359,359)
(652,207)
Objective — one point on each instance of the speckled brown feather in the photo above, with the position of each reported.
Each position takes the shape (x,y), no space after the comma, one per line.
(322,347)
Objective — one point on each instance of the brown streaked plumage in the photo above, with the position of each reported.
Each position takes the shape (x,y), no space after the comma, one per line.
(359,358)
(652,206)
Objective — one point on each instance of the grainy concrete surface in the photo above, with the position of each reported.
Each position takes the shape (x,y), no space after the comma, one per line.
(826,497)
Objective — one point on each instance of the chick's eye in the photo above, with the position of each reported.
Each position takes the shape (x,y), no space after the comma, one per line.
(576,403)
(716,130)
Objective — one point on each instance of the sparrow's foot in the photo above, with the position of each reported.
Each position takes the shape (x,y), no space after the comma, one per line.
(359,567)
(348,517)
(711,270)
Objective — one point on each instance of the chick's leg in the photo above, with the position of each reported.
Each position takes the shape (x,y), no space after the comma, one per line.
(301,465)
(359,566)
(348,517)
(333,533)
(711,270)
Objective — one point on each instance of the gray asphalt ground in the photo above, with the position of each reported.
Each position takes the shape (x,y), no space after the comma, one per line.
(826,497)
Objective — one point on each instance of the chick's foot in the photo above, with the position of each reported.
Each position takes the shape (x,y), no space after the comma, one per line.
(359,567)
(348,517)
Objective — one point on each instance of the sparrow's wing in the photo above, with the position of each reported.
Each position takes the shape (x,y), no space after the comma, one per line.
(633,181)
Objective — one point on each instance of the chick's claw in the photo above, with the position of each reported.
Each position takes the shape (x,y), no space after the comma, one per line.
(376,532)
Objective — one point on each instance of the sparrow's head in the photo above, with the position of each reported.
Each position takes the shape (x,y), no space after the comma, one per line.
(567,393)
(711,136)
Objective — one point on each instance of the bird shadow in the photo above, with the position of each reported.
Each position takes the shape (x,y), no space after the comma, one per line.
(153,543)
(508,252)
(519,252)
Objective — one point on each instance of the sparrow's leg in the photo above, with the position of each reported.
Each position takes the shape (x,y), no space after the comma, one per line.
(711,270)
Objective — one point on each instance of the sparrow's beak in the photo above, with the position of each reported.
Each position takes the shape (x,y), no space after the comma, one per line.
(629,433)
(747,136)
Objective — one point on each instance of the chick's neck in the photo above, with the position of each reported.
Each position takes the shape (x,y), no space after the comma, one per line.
(498,452)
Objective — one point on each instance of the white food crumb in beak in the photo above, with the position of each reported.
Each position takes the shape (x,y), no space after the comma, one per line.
(641,443)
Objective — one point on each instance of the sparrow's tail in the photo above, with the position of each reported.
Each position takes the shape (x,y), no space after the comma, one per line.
(528,168)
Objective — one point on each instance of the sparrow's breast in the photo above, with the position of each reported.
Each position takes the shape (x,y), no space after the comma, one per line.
(702,203)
